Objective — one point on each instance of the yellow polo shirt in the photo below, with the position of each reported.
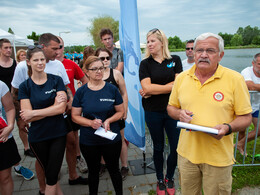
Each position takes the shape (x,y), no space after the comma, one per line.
(217,101)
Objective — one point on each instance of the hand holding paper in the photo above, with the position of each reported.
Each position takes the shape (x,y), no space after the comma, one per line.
(106,134)
(197,128)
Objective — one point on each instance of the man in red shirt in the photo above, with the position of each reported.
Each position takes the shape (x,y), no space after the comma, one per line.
(73,156)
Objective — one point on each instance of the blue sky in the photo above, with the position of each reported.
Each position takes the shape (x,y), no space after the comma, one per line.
(183,18)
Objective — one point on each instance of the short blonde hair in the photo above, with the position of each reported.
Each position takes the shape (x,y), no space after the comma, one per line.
(19,52)
(161,37)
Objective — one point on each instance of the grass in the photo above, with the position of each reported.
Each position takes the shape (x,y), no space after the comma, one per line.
(247,175)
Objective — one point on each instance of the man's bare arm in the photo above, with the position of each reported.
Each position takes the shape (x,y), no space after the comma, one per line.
(70,98)
(252,86)
(14,92)
(120,67)
(22,125)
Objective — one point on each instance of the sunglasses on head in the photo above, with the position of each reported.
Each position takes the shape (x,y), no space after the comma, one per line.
(103,58)
(189,48)
(154,30)
(31,47)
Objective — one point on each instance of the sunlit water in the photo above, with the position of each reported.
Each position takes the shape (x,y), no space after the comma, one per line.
(236,59)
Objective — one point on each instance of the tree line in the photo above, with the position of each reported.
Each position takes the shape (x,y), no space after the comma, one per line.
(243,37)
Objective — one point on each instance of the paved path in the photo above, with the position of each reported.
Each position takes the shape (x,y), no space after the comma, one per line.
(133,185)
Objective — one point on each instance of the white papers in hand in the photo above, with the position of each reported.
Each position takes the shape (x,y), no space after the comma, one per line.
(196,127)
(108,135)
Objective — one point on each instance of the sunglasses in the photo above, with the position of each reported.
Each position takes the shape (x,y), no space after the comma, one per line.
(103,58)
(189,48)
(154,30)
(31,47)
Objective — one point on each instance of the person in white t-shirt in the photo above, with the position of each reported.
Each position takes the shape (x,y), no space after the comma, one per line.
(189,62)
(8,148)
(252,78)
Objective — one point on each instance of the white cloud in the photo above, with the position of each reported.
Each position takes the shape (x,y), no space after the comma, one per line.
(186,18)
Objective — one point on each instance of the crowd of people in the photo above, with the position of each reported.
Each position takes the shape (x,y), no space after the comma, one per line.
(39,93)
(76,57)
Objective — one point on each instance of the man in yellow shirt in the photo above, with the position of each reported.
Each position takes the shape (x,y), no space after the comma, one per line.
(214,96)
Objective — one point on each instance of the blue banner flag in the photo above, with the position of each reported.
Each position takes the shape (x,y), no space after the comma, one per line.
(130,45)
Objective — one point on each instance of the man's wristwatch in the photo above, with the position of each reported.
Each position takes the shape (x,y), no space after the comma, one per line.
(229,129)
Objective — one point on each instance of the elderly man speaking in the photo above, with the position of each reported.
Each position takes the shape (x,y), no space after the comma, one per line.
(209,95)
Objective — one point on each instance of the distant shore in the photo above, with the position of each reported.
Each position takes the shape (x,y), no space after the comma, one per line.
(228,47)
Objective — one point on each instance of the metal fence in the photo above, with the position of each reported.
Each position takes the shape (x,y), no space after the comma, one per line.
(245,158)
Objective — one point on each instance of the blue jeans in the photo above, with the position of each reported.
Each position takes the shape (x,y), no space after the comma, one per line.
(157,122)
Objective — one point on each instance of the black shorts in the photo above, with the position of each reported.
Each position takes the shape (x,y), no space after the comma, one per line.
(121,124)
(9,154)
(71,126)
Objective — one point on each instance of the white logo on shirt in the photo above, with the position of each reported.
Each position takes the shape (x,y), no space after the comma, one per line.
(53,90)
(107,100)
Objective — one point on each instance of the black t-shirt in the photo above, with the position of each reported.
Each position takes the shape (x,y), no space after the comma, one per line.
(43,96)
(6,74)
(98,104)
(159,74)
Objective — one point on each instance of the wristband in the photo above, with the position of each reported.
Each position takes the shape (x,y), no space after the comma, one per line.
(229,129)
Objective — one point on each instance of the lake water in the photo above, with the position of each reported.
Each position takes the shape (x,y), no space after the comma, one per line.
(236,59)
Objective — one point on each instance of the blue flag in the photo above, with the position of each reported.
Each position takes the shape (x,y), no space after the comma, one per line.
(130,45)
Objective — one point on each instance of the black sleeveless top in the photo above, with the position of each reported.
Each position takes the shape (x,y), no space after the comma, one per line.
(111,78)
(6,74)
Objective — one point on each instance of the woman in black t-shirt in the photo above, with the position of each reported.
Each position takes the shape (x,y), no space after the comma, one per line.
(116,78)
(97,104)
(43,101)
(157,73)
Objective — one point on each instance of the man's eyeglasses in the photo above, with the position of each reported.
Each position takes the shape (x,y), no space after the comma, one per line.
(189,48)
(97,69)
(154,30)
(31,47)
(209,51)
(103,58)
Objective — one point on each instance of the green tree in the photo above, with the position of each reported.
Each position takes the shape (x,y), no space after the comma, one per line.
(226,37)
(10,31)
(33,36)
(236,40)
(100,22)
(248,33)
(256,40)
(175,43)
(171,43)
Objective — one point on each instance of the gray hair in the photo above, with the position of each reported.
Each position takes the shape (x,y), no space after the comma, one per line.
(256,56)
(207,35)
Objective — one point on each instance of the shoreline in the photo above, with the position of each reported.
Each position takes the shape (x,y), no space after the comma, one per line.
(228,47)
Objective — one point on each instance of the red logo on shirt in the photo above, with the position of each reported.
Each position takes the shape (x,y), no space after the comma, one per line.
(218,96)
